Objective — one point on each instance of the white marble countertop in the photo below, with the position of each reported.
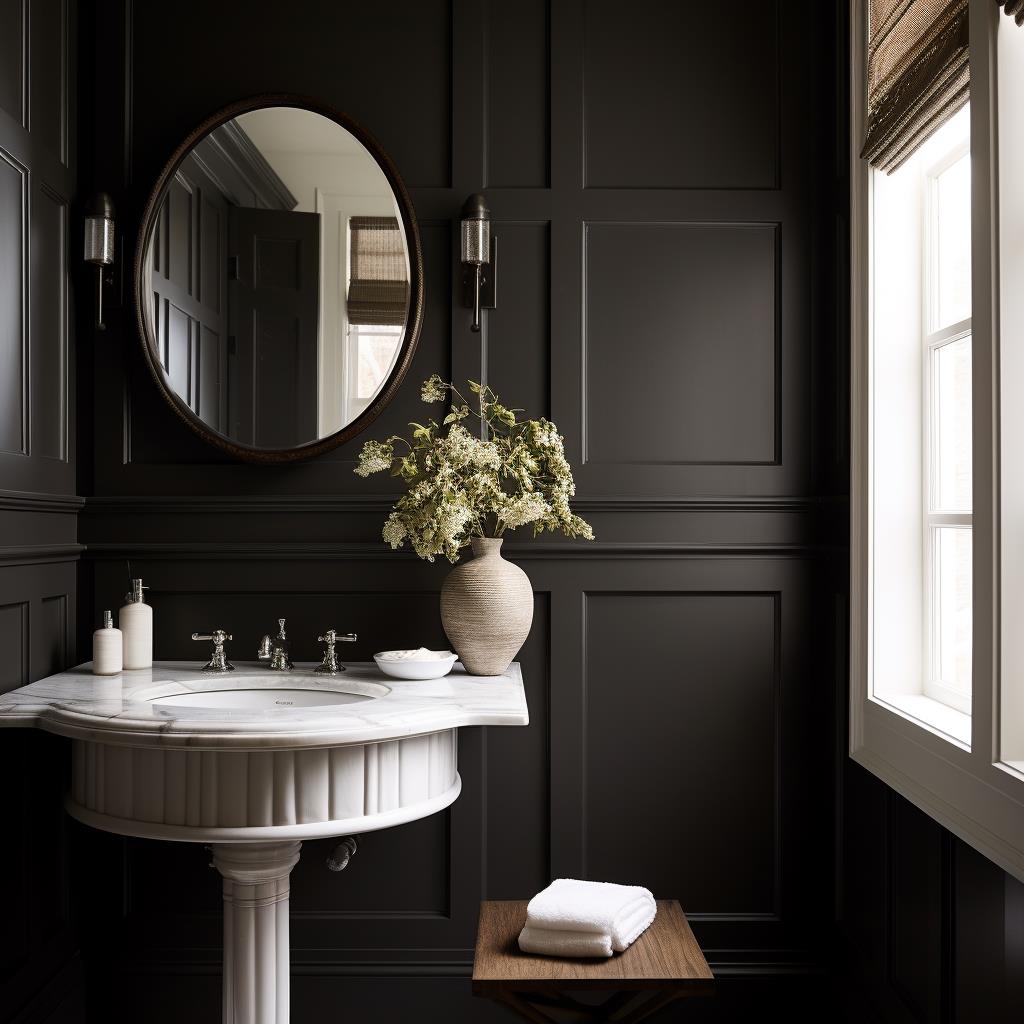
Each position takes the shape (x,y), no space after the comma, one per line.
(117,709)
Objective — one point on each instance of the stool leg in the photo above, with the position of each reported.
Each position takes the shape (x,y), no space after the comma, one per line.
(615,1004)
(526,1009)
(526,1005)
(653,1005)
(567,1004)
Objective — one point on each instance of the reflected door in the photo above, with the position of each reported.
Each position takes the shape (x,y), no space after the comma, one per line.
(272,323)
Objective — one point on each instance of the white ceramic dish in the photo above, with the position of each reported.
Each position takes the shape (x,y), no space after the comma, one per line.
(391,664)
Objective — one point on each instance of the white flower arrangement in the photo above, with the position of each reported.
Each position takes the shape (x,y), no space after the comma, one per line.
(462,486)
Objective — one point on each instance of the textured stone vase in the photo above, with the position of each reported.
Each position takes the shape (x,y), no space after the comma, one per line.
(487,609)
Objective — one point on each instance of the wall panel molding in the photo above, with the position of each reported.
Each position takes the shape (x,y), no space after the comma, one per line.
(13,54)
(661,51)
(14,618)
(14,262)
(933,936)
(341,503)
(32,501)
(51,327)
(36,631)
(517,86)
(41,554)
(673,288)
(699,603)
(377,551)
(36,144)
(38,509)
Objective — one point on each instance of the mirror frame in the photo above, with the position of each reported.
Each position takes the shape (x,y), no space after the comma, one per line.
(413,325)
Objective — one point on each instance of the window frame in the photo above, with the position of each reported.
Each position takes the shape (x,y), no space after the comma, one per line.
(965,788)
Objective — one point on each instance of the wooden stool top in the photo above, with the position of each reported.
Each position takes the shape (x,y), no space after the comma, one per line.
(666,956)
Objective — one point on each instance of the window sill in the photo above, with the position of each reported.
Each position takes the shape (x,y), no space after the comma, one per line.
(930,714)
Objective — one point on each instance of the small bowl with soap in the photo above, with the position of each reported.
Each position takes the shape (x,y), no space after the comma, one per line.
(418,664)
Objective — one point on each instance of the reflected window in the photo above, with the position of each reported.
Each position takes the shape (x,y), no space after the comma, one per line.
(373,349)
(376,307)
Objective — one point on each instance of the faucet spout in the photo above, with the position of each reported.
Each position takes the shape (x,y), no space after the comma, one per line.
(276,650)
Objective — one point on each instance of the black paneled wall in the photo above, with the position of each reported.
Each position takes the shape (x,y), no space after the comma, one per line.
(38,508)
(662,179)
(934,932)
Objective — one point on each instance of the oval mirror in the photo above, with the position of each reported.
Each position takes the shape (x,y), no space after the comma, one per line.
(278,279)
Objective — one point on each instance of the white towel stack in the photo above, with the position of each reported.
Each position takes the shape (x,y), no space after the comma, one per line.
(573,918)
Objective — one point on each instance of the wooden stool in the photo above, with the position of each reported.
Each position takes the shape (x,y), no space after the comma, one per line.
(663,965)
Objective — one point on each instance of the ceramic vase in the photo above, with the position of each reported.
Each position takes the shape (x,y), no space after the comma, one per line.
(487,609)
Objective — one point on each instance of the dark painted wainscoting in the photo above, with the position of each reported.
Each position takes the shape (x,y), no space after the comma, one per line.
(663,180)
(39,971)
(934,932)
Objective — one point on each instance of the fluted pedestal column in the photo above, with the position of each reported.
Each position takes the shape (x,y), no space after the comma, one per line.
(256,949)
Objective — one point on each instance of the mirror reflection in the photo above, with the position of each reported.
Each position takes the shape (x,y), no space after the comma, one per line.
(278,273)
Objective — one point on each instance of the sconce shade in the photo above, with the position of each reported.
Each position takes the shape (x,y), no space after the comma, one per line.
(476,231)
(99,230)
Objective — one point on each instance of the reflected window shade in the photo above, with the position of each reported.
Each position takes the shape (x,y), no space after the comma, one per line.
(918,75)
(378,291)
(1014,8)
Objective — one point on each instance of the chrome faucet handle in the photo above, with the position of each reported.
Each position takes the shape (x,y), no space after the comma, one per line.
(329,666)
(218,660)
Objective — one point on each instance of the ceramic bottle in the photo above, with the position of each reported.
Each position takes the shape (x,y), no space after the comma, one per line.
(136,621)
(107,650)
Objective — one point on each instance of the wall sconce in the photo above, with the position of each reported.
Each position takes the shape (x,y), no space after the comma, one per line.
(479,257)
(99,244)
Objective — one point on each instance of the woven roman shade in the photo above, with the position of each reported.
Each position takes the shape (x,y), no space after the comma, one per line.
(378,290)
(1014,8)
(918,75)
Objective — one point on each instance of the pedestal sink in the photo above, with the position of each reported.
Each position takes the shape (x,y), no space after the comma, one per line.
(253,763)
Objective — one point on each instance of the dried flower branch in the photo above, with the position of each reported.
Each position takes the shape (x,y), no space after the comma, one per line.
(462,486)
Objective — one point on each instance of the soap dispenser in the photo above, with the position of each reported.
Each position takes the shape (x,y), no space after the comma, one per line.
(136,622)
(107,651)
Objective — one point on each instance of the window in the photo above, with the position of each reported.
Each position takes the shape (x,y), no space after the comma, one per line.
(937,432)
(919,337)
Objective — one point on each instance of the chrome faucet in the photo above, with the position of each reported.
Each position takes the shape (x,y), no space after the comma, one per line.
(218,660)
(276,651)
(329,666)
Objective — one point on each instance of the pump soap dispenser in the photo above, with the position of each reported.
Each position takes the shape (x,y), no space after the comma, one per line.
(107,656)
(136,622)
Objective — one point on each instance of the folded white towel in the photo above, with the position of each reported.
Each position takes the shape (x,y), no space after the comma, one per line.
(571,905)
(576,918)
(550,942)
(631,926)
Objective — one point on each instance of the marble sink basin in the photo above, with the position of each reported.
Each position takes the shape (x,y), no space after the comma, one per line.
(256,693)
(255,755)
